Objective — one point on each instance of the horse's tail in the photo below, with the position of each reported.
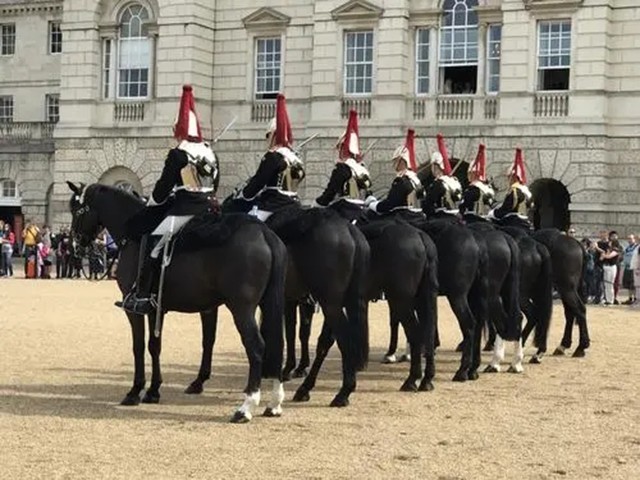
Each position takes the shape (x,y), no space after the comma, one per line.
(356,303)
(583,289)
(543,298)
(429,286)
(272,306)
(511,294)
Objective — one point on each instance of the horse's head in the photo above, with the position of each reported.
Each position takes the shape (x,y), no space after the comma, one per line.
(85,223)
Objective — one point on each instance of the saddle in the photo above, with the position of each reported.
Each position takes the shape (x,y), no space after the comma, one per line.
(293,223)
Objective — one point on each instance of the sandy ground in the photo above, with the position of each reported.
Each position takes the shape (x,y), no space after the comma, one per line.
(65,363)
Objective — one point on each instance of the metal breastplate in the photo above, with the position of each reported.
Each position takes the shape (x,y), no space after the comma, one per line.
(190,178)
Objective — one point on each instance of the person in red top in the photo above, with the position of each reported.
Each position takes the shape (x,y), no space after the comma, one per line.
(8,241)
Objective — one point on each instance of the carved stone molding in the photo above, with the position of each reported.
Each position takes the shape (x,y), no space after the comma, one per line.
(266,18)
(357,10)
(552,6)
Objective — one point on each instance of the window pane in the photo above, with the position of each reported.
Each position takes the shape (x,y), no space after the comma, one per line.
(459,30)
(358,62)
(268,66)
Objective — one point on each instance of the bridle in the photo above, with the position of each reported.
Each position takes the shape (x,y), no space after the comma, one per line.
(79,214)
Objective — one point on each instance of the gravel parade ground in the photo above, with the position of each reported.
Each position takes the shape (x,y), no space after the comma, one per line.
(66,362)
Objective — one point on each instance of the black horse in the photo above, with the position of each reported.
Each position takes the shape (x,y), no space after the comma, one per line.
(569,262)
(329,260)
(241,264)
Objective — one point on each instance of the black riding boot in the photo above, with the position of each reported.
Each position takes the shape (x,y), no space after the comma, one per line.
(141,300)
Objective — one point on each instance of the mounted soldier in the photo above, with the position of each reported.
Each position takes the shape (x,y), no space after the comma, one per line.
(515,206)
(349,184)
(274,185)
(442,196)
(185,189)
(479,195)
(406,187)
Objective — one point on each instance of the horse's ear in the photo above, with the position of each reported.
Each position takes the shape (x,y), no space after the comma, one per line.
(73,187)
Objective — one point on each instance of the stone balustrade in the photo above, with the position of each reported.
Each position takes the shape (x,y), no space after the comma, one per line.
(551,104)
(360,105)
(24,132)
(127,112)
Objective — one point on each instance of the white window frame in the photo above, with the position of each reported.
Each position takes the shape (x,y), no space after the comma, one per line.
(422,47)
(52,108)
(273,64)
(117,58)
(493,58)
(6,105)
(4,34)
(8,185)
(55,41)
(368,33)
(464,30)
(558,53)
(107,68)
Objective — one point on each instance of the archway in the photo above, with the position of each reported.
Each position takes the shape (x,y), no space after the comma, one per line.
(551,204)
(122,177)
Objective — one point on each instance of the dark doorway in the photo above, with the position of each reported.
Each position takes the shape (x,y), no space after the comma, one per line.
(551,204)
(13,216)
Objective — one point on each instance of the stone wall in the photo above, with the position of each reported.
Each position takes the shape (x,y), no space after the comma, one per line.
(31,167)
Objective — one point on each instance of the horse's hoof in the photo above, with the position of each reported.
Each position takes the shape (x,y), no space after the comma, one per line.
(404,358)
(426,386)
(488,347)
(240,417)
(535,360)
(491,369)
(195,388)
(558,352)
(461,377)
(301,395)
(579,353)
(130,400)
(300,372)
(459,347)
(339,402)
(409,386)
(151,397)
(388,359)
(474,375)
(514,369)
(272,412)
(286,376)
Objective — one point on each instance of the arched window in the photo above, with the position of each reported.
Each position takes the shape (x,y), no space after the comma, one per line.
(8,188)
(459,47)
(127,57)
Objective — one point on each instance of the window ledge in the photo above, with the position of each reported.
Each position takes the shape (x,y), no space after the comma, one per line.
(552,6)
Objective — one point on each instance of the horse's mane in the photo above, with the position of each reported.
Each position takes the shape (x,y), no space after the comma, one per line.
(100,189)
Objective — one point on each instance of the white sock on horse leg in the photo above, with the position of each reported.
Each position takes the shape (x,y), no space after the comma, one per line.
(498,353)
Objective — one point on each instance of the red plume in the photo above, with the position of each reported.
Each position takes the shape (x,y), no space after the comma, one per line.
(283,135)
(187,126)
(347,148)
(479,166)
(518,167)
(411,147)
(445,156)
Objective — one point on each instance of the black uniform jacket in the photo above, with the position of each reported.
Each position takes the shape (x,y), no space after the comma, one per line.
(401,188)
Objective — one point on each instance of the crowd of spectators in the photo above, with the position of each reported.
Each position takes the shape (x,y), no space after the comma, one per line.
(43,252)
(613,270)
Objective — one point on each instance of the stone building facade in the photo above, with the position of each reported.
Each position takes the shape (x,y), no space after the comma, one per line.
(557,77)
